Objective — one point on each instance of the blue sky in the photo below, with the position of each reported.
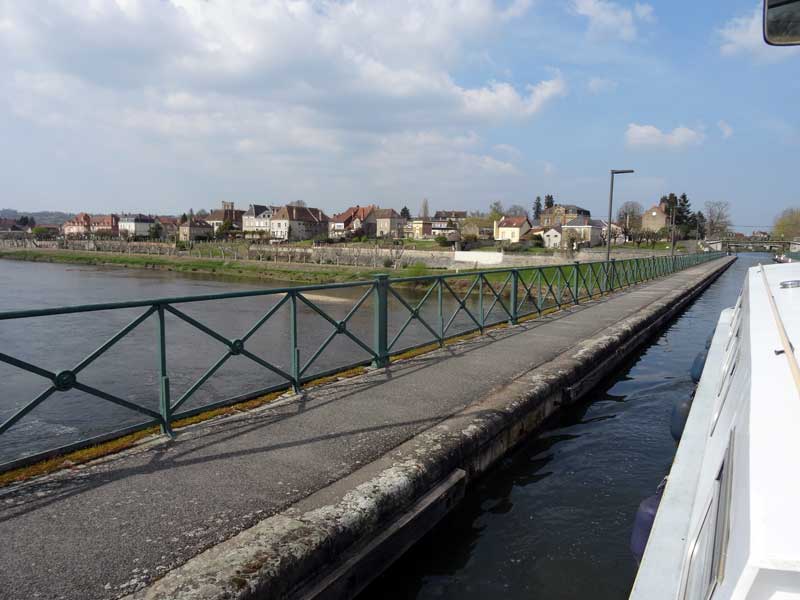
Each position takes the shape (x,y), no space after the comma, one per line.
(161,106)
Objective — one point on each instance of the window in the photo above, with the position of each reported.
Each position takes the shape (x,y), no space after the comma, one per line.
(709,548)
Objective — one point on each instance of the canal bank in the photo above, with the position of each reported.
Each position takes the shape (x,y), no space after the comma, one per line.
(330,469)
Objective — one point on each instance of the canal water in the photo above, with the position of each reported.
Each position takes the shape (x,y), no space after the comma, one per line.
(130,369)
(554,520)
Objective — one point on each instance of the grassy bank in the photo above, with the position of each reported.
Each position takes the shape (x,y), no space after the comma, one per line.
(238,269)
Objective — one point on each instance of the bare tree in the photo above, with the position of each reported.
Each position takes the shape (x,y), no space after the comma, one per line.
(424,209)
(515,210)
(718,218)
(629,218)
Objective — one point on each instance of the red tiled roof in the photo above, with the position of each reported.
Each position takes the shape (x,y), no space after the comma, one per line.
(513,221)
(359,212)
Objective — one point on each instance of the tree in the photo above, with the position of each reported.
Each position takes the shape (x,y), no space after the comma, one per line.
(549,201)
(787,224)
(155,231)
(496,210)
(683,210)
(224,229)
(718,218)
(202,213)
(515,210)
(424,209)
(298,203)
(405,213)
(40,232)
(537,208)
(184,218)
(629,218)
(700,224)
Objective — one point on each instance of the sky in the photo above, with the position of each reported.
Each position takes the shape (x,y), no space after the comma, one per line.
(161,105)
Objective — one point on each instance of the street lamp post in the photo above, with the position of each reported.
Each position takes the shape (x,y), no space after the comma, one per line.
(610,208)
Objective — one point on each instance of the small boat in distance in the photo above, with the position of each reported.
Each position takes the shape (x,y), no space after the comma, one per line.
(727,524)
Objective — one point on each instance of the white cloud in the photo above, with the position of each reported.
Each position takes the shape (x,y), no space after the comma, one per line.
(644,12)
(293,85)
(651,136)
(501,100)
(609,19)
(743,36)
(599,85)
(725,128)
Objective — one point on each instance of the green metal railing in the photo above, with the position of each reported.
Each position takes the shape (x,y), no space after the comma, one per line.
(485,298)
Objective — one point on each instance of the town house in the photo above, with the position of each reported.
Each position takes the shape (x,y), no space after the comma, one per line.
(561,214)
(655,218)
(356,220)
(135,226)
(227,213)
(511,229)
(258,218)
(80,225)
(388,223)
(195,229)
(583,232)
(293,223)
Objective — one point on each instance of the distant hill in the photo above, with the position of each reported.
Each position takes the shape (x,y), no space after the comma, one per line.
(43,217)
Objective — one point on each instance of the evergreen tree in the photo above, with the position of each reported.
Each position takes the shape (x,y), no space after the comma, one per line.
(537,208)
(549,201)
(405,213)
(683,210)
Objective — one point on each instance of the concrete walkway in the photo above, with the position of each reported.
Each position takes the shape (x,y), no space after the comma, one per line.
(109,528)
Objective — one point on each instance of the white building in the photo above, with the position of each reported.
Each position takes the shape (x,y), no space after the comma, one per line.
(135,226)
(552,237)
(258,217)
(388,223)
(511,229)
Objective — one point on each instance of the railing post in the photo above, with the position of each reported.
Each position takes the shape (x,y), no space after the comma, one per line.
(575,278)
(164,405)
(480,301)
(295,349)
(440,310)
(539,303)
(381,324)
(613,269)
(514,286)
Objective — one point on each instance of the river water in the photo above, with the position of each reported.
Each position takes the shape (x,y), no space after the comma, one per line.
(553,521)
(130,369)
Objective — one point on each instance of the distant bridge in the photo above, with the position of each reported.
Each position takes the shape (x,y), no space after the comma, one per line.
(753,245)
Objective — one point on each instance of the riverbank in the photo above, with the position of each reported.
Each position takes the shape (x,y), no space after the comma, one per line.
(217,268)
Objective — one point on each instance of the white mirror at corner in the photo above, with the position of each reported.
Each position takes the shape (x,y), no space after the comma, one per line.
(782,22)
